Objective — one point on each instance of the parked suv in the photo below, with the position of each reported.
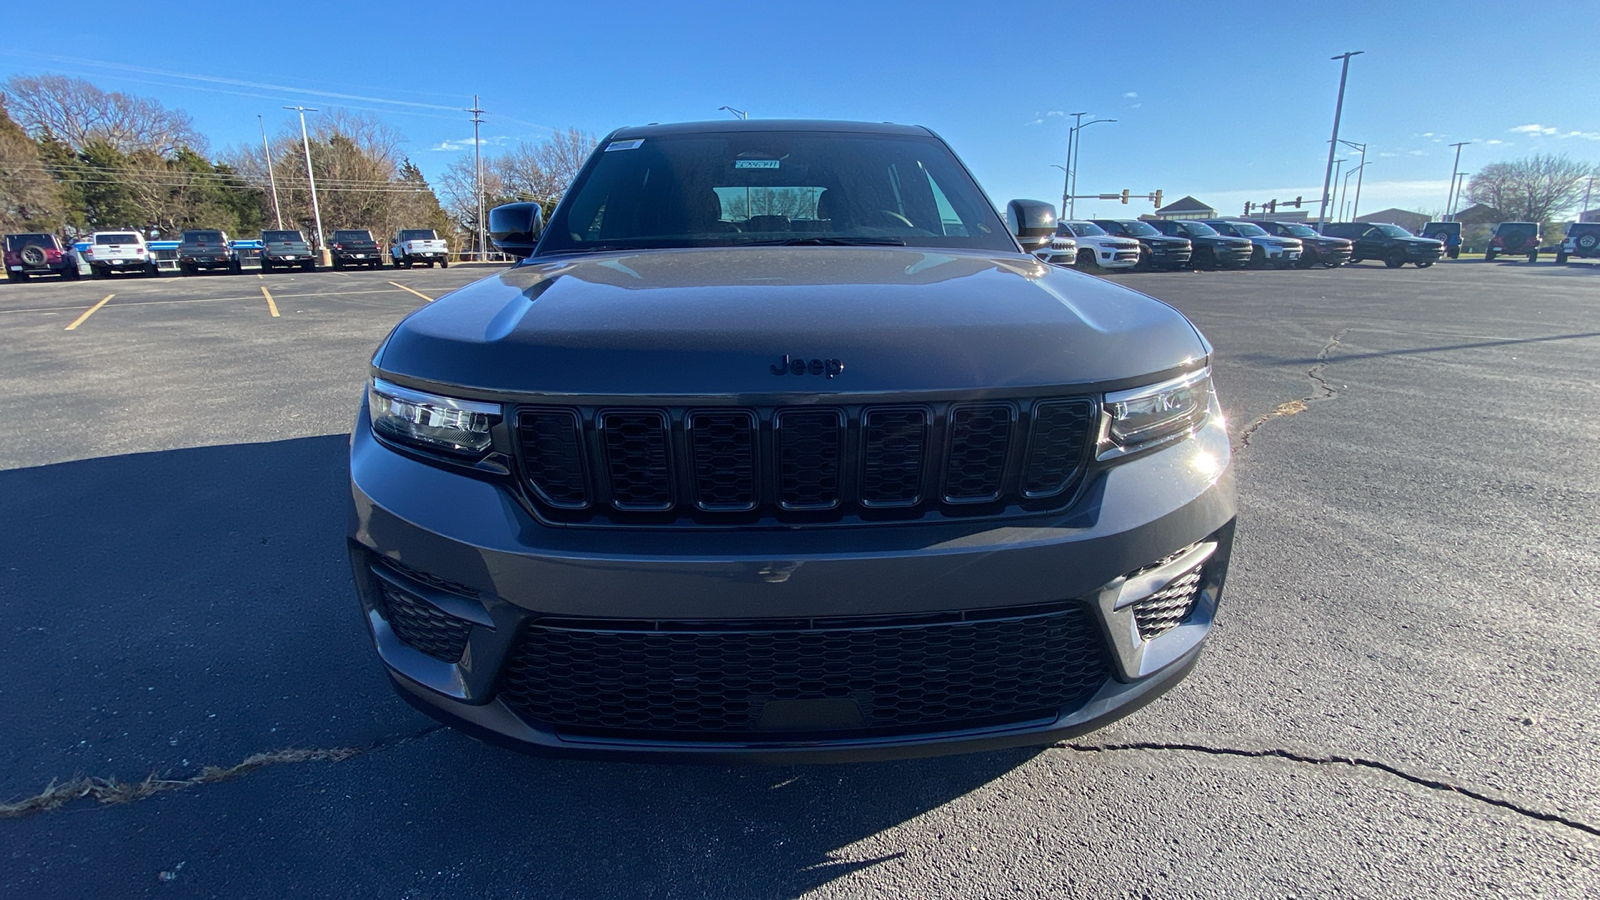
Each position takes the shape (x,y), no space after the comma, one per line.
(33,254)
(1316,249)
(1266,249)
(1211,249)
(1097,249)
(1446,233)
(1156,250)
(1061,251)
(355,247)
(1514,239)
(204,248)
(1390,243)
(119,251)
(1583,239)
(285,249)
(852,480)
(413,246)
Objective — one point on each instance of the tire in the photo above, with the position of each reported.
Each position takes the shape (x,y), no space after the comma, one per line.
(1455,252)
(1561,257)
(1395,259)
(234,268)
(1258,258)
(308,266)
(1533,256)
(338,263)
(34,255)
(1087,262)
(444,263)
(1488,255)
(1587,243)
(1204,258)
(18,277)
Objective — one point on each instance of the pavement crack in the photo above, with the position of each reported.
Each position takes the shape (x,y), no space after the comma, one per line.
(1321,390)
(110,791)
(1354,762)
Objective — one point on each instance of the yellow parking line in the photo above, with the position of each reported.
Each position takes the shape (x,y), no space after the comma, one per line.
(272,307)
(418,293)
(261,276)
(89,312)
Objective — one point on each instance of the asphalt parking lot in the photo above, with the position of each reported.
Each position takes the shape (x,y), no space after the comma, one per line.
(1400,698)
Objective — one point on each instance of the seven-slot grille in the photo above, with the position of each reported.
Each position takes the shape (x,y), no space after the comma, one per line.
(658,465)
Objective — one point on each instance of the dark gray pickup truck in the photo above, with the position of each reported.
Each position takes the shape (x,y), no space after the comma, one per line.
(778,446)
(355,247)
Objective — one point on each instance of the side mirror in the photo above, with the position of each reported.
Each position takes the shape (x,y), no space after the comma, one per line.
(515,227)
(1033,222)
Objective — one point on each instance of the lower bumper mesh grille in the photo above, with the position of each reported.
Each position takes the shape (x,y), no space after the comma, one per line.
(690,681)
(422,625)
(1167,608)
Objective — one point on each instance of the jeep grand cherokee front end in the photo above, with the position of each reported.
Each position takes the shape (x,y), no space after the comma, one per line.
(778,447)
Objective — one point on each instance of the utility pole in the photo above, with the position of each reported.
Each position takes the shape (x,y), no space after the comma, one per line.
(477,172)
(271,175)
(305,141)
(1586,191)
(1066,181)
(1455,193)
(1333,145)
(1450,202)
(1077,150)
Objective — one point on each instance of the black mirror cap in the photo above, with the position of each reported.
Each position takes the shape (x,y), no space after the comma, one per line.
(514,228)
(1032,221)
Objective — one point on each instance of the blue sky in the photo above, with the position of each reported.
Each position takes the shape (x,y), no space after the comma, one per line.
(1227,102)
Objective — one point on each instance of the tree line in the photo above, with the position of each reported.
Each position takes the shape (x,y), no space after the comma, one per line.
(75,158)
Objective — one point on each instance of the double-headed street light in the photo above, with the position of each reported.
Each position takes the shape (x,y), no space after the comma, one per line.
(1345,191)
(1333,143)
(738,112)
(1074,148)
(305,142)
(1356,208)
(1452,200)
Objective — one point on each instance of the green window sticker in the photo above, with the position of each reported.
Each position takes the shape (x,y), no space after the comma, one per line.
(755,164)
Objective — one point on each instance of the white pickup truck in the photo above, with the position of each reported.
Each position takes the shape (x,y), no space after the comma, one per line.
(418,245)
(119,251)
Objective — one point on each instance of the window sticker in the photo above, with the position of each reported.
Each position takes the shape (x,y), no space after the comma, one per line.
(755,164)
(624,145)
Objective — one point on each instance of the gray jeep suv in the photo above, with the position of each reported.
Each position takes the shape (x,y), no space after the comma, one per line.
(777,446)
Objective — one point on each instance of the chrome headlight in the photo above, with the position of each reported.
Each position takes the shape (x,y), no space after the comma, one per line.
(430,421)
(1145,417)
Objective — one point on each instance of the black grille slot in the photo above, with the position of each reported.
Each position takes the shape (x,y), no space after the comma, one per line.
(685,680)
(894,444)
(810,451)
(422,625)
(637,459)
(724,447)
(980,440)
(1056,447)
(1167,608)
(552,456)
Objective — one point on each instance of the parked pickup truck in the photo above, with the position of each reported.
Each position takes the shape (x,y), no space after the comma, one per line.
(204,248)
(418,245)
(356,248)
(119,251)
(285,249)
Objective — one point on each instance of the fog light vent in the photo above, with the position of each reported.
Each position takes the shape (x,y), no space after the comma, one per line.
(424,626)
(1167,608)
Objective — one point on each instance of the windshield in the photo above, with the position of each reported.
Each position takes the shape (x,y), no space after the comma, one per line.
(119,238)
(352,235)
(1080,229)
(418,234)
(721,190)
(1197,229)
(282,236)
(1248,229)
(1138,229)
(203,237)
(1300,231)
(1392,230)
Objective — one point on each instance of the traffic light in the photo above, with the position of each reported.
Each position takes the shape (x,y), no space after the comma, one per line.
(1157,199)
(1297,203)
(1272,207)
(1247,207)
(1124,196)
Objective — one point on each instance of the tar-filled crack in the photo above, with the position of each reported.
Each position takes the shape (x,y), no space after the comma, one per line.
(1355,762)
(1321,390)
(110,791)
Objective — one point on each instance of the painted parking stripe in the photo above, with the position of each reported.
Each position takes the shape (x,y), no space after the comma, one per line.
(418,293)
(271,306)
(89,312)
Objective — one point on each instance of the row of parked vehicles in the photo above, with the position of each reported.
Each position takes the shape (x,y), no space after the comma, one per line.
(108,253)
(1113,244)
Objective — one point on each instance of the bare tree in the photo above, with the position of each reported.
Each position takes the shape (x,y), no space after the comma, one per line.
(1532,189)
(28,196)
(76,113)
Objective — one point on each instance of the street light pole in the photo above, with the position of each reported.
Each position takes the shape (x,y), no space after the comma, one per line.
(1355,208)
(1450,202)
(1337,165)
(1333,145)
(1066,178)
(305,141)
(1345,190)
(1076,153)
(477,173)
(738,112)
(271,175)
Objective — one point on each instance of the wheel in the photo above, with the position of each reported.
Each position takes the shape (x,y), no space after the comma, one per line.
(308,266)
(1455,252)
(1587,243)
(1533,256)
(151,271)
(71,274)
(18,277)
(1087,261)
(1258,258)
(95,272)
(338,263)
(1204,258)
(1488,255)
(234,268)
(33,255)
(1395,259)
(1561,257)
(444,263)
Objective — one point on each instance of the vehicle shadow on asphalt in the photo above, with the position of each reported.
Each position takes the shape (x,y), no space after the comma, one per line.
(186,608)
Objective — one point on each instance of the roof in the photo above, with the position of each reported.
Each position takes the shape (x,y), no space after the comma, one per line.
(737,126)
(1184,205)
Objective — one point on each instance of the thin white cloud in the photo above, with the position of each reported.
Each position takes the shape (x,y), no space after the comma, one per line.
(1136,106)
(1033,122)
(1533,129)
(1388,154)
(1427,134)
(1055,112)
(1585,135)
(1131,95)
(1494,141)
(1416,153)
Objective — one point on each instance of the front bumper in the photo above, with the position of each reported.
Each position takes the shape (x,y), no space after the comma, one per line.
(1231,256)
(472,553)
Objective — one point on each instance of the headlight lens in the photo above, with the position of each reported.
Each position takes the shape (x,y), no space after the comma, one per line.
(430,421)
(1146,416)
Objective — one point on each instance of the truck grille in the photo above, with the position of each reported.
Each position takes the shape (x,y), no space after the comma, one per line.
(768,679)
(655,465)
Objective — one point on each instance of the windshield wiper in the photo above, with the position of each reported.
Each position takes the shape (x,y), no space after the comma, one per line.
(830,241)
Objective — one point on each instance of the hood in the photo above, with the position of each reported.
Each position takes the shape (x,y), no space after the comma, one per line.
(718,321)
